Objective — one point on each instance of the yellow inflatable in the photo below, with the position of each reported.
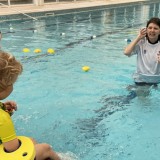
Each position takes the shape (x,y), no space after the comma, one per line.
(37,51)
(26,150)
(86,68)
(26,50)
(50,51)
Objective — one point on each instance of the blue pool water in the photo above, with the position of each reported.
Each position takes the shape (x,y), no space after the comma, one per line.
(88,114)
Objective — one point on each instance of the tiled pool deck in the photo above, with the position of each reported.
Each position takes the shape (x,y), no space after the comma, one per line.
(59,6)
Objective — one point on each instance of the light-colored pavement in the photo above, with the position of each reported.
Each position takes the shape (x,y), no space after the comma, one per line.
(5,10)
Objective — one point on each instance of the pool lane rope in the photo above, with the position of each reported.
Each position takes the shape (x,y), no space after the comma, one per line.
(49,50)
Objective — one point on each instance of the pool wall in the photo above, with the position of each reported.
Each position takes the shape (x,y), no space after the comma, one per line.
(41,14)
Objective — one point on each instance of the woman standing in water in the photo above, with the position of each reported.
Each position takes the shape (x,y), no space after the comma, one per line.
(147,48)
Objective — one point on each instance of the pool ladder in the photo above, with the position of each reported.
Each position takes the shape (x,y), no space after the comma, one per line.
(19,12)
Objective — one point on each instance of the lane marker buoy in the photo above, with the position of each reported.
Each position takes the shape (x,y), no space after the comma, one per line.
(93,37)
(62,34)
(50,51)
(37,50)
(86,68)
(26,50)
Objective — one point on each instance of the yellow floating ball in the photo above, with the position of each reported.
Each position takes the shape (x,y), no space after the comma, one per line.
(86,68)
(37,51)
(26,50)
(51,51)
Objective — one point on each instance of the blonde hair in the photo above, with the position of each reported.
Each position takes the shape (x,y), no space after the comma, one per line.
(10,69)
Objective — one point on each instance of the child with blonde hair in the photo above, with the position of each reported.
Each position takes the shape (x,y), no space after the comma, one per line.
(10,69)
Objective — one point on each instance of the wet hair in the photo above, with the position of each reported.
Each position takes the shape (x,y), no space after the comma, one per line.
(10,68)
(156,21)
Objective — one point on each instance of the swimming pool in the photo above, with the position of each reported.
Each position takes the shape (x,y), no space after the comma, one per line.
(84,113)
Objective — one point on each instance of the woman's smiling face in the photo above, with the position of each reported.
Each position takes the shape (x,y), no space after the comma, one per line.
(153,32)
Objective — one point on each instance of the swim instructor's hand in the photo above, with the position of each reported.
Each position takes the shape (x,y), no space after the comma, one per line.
(142,33)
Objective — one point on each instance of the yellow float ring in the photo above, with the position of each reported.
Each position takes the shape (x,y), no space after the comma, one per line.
(26,151)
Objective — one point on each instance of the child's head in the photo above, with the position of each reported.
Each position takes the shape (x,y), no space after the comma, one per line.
(10,69)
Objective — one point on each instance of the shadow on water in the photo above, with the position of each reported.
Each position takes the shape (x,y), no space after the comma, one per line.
(92,127)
